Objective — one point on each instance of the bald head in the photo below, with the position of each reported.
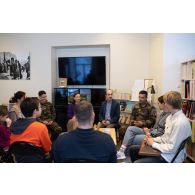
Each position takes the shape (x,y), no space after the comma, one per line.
(109,95)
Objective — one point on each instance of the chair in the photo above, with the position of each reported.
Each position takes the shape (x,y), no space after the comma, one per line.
(5,156)
(181,147)
(2,154)
(81,161)
(25,152)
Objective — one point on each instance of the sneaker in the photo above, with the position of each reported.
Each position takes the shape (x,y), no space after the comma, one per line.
(120,155)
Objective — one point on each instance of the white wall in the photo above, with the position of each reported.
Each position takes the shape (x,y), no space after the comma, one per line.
(167,52)
(177,49)
(129,59)
(156,61)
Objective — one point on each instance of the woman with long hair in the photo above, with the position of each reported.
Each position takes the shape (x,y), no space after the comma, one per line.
(14,110)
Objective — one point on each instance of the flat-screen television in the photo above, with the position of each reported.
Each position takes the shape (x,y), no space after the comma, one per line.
(89,70)
(61,96)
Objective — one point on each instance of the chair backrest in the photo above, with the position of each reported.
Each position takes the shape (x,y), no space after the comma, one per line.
(181,147)
(2,153)
(81,161)
(5,156)
(26,152)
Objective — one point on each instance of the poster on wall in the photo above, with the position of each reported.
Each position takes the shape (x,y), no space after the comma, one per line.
(14,66)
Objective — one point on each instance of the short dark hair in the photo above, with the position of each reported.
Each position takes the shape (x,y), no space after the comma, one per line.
(144,93)
(17,96)
(84,112)
(29,105)
(161,99)
(174,99)
(3,110)
(41,93)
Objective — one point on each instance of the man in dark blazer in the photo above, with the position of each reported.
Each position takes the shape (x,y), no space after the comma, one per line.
(109,112)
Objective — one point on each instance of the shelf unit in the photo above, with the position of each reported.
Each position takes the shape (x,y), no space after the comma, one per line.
(188,95)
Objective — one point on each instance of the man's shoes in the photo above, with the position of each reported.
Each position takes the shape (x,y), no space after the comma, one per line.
(120,155)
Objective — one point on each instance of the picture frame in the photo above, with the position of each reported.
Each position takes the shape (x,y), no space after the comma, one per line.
(148,83)
(15,65)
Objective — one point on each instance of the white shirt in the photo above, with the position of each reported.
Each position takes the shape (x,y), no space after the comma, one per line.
(177,129)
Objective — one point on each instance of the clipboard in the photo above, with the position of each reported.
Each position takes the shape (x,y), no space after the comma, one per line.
(146,150)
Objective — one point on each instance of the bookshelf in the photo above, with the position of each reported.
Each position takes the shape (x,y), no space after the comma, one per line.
(188,80)
(188,95)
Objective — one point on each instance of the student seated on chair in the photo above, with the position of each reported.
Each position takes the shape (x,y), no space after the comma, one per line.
(5,124)
(48,115)
(177,129)
(15,111)
(135,135)
(84,143)
(28,129)
(109,112)
(71,125)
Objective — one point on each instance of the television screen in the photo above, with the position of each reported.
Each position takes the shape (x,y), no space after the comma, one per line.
(97,96)
(85,94)
(83,70)
(61,96)
(71,92)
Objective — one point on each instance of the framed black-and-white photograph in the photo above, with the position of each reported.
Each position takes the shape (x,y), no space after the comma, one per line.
(14,66)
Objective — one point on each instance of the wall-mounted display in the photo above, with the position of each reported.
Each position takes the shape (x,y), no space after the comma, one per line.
(90,70)
(14,66)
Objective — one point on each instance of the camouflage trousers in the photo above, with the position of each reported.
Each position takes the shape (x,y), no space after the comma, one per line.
(54,131)
(55,127)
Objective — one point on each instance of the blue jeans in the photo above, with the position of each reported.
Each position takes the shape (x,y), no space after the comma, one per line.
(133,135)
(138,139)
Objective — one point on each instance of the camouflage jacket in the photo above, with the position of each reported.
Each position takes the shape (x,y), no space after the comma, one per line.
(48,112)
(146,113)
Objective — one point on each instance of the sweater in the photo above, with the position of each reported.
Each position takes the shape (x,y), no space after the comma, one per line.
(31,131)
(84,144)
(4,136)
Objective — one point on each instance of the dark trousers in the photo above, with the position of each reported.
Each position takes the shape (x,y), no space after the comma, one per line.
(136,158)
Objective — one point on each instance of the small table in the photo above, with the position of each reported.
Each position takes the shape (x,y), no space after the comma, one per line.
(146,150)
(110,131)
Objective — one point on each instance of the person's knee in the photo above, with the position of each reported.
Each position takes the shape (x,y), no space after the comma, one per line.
(55,127)
(130,128)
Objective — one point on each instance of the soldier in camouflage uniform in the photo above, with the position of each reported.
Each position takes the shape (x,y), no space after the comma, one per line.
(143,115)
(48,116)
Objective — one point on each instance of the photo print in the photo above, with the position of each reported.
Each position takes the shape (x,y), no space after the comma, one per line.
(14,66)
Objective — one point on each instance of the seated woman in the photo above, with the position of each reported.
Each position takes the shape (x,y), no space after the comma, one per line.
(72,124)
(5,123)
(136,136)
(15,111)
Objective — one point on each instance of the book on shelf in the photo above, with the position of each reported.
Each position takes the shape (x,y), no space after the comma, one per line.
(183,89)
(193,70)
(184,72)
(188,89)
(193,131)
(189,149)
(189,109)
(122,96)
(188,70)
